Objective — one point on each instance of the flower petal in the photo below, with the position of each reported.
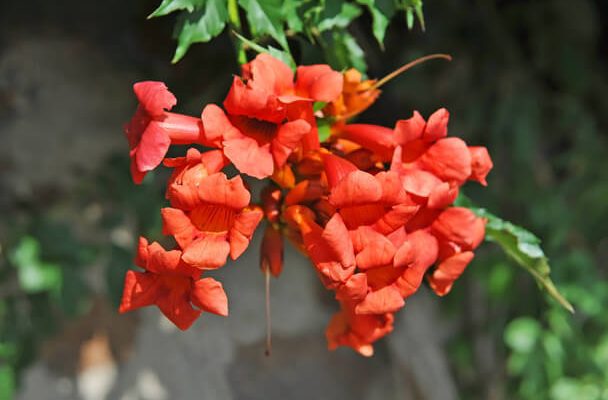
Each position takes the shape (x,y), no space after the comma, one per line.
(178,224)
(242,231)
(140,290)
(175,305)
(437,126)
(387,299)
(208,295)
(154,97)
(407,130)
(249,157)
(448,271)
(356,188)
(449,159)
(373,249)
(209,252)
(481,164)
(287,139)
(318,82)
(152,147)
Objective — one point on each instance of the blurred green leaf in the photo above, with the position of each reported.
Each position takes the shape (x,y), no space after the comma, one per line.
(34,274)
(522,246)
(344,52)
(7,382)
(522,334)
(200,26)
(412,8)
(324,129)
(290,11)
(382,12)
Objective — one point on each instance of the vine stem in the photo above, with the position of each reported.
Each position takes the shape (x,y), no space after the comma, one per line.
(407,66)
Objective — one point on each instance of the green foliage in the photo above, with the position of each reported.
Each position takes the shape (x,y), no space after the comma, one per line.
(34,274)
(520,245)
(322,23)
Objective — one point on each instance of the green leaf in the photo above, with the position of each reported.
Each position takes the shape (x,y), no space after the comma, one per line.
(265,17)
(522,246)
(344,52)
(318,105)
(169,6)
(290,11)
(412,8)
(381,13)
(281,55)
(323,129)
(337,14)
(200,26)
(34,274)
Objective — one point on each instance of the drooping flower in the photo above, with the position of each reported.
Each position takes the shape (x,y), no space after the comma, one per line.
(220,222)
(175,287)
(153,129)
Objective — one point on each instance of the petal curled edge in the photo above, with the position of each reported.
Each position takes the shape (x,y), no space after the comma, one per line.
(242,231)
(448,271)
(154,97)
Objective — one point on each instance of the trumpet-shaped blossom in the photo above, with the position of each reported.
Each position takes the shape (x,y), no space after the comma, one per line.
(182,188)
(153,129)
(219,224)
(175,287)
(269,114)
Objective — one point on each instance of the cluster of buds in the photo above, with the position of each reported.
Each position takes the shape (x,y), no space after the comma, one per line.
(372,207)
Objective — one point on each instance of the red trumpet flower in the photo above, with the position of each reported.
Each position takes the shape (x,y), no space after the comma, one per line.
(219,224)
(153,129)
(171,285)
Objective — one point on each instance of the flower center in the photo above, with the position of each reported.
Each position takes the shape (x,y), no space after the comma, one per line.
(262,131)
(360,215)
(213,218)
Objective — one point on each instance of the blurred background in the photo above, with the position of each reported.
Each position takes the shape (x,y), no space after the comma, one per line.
(529,81)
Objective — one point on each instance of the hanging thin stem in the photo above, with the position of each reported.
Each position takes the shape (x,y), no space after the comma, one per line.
(268,320)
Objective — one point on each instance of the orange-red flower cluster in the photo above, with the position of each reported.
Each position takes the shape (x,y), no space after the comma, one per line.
(372,207)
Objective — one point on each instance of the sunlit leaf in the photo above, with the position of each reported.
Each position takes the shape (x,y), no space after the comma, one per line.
(265,17)
(337,14)
(200,26)
(522,246)
(169,6)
